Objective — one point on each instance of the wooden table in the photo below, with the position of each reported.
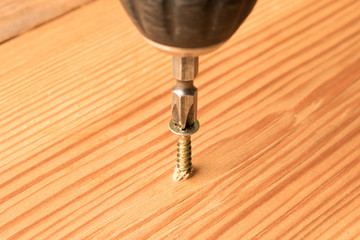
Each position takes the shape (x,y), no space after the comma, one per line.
(85,152)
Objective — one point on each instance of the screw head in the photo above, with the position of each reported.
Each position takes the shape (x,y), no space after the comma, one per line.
(175,128)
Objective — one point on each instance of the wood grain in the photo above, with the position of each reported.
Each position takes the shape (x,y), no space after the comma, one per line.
(86,154)
(18,16)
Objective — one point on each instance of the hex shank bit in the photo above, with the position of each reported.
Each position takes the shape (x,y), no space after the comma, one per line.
(184,112)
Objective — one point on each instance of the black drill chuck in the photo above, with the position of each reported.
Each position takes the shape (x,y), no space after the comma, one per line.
(188,23)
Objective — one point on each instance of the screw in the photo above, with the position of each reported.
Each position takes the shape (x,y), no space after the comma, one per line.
(183,168)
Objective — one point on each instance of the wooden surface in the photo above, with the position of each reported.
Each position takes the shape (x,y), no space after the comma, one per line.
(18,16)
(86,154)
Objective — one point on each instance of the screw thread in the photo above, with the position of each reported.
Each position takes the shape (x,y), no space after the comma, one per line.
(183,168)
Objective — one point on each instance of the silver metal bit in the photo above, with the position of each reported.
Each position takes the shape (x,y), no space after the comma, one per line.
(185,68)
(184,103)
(184,112)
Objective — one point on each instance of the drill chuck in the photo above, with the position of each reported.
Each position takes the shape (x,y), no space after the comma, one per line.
(188,24)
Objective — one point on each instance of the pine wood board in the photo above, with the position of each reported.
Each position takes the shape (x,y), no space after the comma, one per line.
(18,16)
(85,152)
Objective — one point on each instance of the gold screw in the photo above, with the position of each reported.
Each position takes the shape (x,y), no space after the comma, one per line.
(183,168)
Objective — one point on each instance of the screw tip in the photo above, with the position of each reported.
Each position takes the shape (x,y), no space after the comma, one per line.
(181,175)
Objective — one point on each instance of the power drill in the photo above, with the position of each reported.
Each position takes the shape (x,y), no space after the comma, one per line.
(186,29)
